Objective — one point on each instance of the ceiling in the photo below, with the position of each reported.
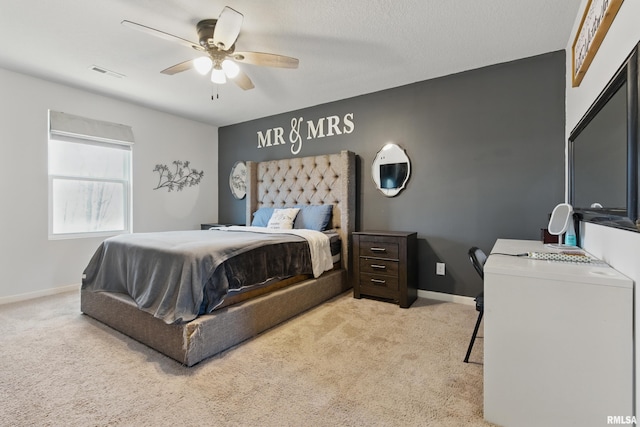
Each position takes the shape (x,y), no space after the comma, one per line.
(345,48)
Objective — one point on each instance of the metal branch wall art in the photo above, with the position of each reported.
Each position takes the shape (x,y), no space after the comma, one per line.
(182,176)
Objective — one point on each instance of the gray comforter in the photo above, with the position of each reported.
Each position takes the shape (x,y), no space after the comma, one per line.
(176,275)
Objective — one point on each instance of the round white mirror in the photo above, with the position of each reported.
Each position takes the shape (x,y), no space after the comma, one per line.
(238,180)
(391,170)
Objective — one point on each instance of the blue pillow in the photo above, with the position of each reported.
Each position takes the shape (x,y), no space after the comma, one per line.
(314,217)
(261,217)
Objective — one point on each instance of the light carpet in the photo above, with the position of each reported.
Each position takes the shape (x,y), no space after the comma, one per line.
(348,362)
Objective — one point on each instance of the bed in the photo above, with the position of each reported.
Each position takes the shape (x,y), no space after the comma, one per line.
(314,180)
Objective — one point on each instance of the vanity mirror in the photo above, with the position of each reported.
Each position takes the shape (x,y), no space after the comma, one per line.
(603,154)
(391,170)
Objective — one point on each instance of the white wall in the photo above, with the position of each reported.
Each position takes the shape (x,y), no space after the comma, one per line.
(618,247)
(30,264)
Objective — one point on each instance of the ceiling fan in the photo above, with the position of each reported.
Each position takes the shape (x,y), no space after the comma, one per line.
(217,38)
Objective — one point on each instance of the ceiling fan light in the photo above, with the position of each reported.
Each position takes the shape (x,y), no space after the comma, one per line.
(230,68)
(217,76)
(202,64)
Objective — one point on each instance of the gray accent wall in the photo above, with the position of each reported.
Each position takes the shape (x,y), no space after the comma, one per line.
(487,159)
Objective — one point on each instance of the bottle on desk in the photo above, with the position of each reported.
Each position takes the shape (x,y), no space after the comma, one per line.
(570,235)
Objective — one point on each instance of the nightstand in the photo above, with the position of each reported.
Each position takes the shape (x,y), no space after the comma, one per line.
(385,265)
(208,226)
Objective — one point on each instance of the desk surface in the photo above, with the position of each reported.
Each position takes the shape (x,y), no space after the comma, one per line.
(596,273)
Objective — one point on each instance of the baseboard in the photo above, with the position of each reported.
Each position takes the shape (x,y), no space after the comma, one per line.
(38,294)
(440,296)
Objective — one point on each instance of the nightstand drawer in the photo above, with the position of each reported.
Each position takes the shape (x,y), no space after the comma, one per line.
(379,249)
(379,266)
(379,281)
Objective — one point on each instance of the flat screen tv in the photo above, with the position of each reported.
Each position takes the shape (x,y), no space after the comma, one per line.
(393,175)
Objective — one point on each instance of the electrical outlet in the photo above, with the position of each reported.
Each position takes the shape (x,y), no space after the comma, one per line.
(440,268)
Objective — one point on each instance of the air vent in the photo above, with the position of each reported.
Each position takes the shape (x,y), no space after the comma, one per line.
(102,70)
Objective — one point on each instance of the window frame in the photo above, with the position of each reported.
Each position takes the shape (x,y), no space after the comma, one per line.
(127,182)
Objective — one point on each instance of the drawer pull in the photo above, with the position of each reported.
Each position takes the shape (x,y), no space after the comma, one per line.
(378,281)
(378,266)
(378,249)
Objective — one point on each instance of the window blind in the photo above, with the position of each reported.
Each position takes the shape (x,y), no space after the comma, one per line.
(69,125)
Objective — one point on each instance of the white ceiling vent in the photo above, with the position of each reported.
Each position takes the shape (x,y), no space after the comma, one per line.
(103,70)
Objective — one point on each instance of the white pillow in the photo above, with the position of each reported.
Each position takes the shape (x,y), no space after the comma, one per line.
(282,219)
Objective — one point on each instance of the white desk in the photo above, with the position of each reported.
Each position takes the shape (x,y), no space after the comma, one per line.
(558,340)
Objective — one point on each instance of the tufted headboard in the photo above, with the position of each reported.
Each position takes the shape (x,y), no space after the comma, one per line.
(314,180)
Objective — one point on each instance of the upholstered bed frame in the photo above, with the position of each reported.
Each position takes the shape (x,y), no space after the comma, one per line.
(278,183)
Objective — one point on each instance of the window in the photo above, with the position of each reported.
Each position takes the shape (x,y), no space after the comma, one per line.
(89,177)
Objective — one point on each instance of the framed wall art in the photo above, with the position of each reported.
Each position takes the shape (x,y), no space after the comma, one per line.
(596,20)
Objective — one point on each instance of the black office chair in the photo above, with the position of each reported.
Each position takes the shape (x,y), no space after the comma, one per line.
(478,258)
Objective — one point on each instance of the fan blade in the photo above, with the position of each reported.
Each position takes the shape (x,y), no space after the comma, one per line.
(266,59)
(178,68)
(227,28)
(161,34)
(243,81)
